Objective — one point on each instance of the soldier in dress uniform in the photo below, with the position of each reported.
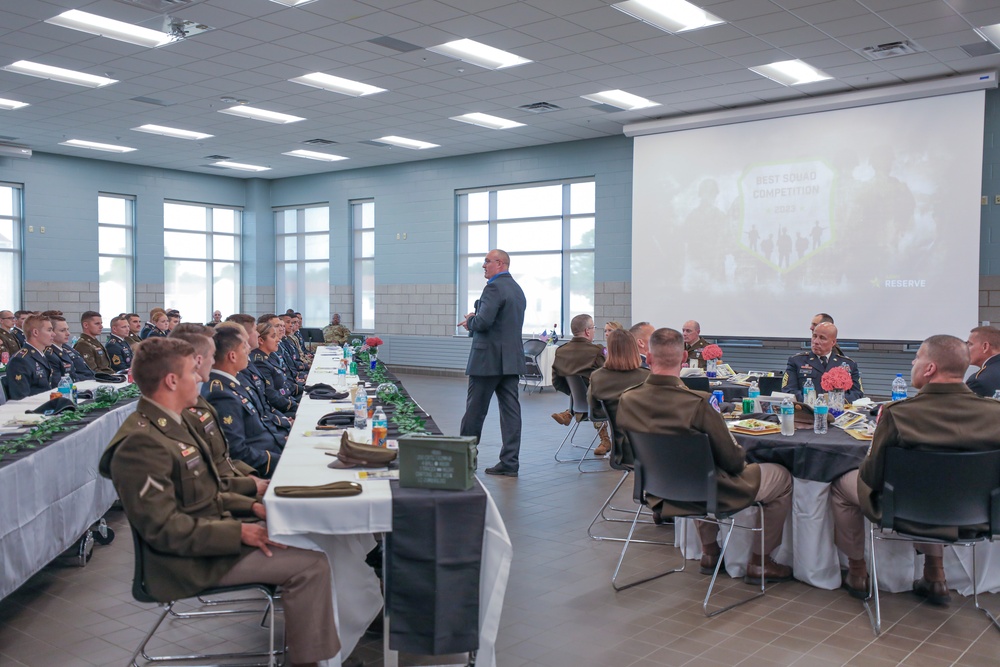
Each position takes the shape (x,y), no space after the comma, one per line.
(249,439)
(579,356)
(253,378)
(693,342)
(89,346)
(8,342)
(18,329)
(282,358)
(192,535)
(29,371)
(156,326)
(119,351)
(276,385)
(69,361)
(134,327)
(817,361)
(173,319)
(984,351)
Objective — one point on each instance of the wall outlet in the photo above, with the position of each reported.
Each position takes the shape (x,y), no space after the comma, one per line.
(31,228)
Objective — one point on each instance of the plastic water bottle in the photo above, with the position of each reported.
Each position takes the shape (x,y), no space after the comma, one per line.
(348,352)
(342,373)
(361,408)
(353,370)
(754,393)
(898,388)
(66,388)
(809,392)
(380,427)
(996,395)
(820,410)
(787,417)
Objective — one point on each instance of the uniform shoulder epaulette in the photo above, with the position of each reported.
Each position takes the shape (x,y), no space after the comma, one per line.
(804,353)
(215,385)
(24,352)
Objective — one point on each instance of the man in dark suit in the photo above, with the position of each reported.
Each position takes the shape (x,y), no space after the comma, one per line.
(817,361)
(984,351)
(496,361)
(944,416)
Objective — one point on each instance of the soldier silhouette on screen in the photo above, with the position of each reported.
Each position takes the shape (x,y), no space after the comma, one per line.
(784,247)
(817,234)
(752,237)
(801,245)
(767,246)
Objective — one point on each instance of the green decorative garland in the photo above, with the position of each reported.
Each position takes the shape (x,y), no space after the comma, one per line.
(404,416)
(62,423)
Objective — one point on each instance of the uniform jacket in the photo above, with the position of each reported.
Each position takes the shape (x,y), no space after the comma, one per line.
(607,385)
(663,404)
(70,362)
(8,345)
(133,340)
(808,365)
(577,357)
(232,474)
(336,333)
(293,384)
(94,354)
(694,349)
(277,423)
(249,440)
(941,417)
(149,329)
(169,488)
(496,329)
(119,353)
(277,387)
(18,336)
(30,372)
(986,380)
(291,355)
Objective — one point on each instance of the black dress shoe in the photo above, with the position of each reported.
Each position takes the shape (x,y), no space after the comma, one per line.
(935,592)
(500,469)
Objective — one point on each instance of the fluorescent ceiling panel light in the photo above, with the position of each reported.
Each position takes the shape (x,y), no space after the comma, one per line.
(93,145)
(480,54)
(669,15)
(315,155)
(791,72)
(105,27)
(337,84)
(293,3)
(621,99)
(240,166)
(488,121)
(261,114)
(59,74)
(10,105)
(171,132)
(991,33)
(403,142)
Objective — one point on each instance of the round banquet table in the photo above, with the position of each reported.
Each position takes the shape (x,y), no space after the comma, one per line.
(808,456)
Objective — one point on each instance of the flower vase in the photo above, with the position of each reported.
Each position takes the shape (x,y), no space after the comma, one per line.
(710,366)
(835,399)
(373,359)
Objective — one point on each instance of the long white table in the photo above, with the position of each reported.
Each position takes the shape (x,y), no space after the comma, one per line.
(343,527)
(50,498)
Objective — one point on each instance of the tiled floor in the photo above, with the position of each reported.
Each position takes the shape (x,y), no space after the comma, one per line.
(560,610)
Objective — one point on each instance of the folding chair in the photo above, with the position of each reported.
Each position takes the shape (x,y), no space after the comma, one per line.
(581,413)
(533,348)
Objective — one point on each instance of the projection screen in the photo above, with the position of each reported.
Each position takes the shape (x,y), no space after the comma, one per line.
(871,214)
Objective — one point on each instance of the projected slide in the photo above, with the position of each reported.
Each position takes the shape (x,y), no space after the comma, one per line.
(870,214)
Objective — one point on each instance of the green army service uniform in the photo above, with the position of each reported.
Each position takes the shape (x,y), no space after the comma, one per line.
(577,357)
(693,351)
(8,345)
(133,340)
(233,475)
(94,354)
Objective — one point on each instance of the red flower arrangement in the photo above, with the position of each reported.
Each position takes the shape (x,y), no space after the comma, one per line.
(373,341)
(710,352)
(837,378)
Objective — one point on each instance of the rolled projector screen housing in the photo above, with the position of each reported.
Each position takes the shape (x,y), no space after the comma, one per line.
(871,214)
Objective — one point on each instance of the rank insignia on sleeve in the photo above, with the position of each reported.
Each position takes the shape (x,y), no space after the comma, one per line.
(18,377)
(227,420)
(116,360)
(161,422)
(232,385)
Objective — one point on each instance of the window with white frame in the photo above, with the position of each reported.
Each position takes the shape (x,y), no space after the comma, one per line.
(548,231)
(201,259)
(303,255)
(115,226)
(10,246)
(363,221)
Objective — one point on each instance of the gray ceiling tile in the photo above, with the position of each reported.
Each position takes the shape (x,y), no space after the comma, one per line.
(933,27)
(428,12)
(830,10)
(737,10)
(515,15)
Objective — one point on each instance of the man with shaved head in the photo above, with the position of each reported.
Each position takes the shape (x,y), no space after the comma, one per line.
(693,342)
(642,331)
(820,358)
(984,351)
(944,416)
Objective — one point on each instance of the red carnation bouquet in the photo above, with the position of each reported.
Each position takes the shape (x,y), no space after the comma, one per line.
(373,342)
(710,352)
(837,378)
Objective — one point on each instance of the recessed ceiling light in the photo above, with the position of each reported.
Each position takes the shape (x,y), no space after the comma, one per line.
(59,74)
(403,142)
(10,105)
(261,114)
(621,99)
(791,72)
(171,132)
(315,155)
(93,145)
(480,54)
(240,166)
(669,15)
(105,27)
(293,3)
(337,84)
(991,33)
(488,121)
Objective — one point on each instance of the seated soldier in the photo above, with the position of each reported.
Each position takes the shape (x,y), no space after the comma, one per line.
(157,325)
(335,332)
(119,351)
(89,347)
(18,330)
(693,343)
(249,439)
(282,357)
(580,356)
(70,361)
(819,360)
(192,533)
(253,378)
(30,372)
(276,385)
(984,351)
(622,370)
(134,327)
(8,342)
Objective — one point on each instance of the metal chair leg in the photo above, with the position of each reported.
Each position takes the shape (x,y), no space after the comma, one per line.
(579,466)
(621,558)
(975,592)
(722,559)
(874,609)
(573,428)
(601,516)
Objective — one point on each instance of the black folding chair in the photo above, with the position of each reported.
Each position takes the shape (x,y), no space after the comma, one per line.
(532,349)
(937,489)
(681,469)
(581,413)
(768,385)
(696,383)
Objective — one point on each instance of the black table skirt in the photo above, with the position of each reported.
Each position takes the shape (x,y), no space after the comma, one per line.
(819,458)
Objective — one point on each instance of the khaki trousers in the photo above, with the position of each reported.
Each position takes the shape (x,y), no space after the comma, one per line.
(775,494)
(849,522)
(306,597)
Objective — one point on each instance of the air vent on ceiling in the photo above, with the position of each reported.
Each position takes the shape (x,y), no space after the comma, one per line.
(217,157)
(980,49)
(890,50)
(394,44)
(153,100)
(319,142)
(160,6)
(540,107)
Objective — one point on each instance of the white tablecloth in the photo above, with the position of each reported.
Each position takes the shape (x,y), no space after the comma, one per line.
(343,527)
(51,497)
